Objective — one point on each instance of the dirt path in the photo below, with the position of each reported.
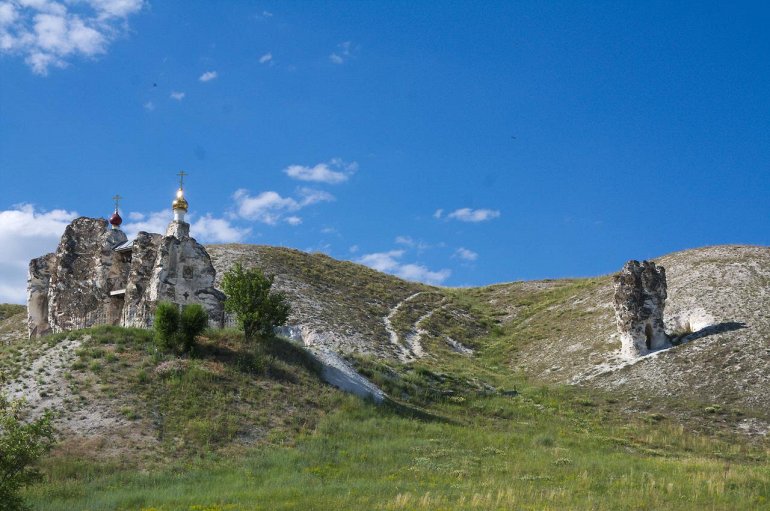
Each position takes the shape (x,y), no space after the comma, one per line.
(404,353)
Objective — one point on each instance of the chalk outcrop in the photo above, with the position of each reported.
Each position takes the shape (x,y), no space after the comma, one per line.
(96,276)
(640,298)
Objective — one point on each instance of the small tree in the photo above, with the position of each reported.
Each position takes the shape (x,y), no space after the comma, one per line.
(21,445)
(257,309)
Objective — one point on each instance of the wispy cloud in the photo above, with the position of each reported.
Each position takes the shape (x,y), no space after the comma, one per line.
(473,215)
(49,33)
(410,242)
(271,208)
(333,172)
(266,58)
(179,96)
(345,51)
(208,76)
(465,254)
(149,106)
(390,262)
(438,214)
(25,233)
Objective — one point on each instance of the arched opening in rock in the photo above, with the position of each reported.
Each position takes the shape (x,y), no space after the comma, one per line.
(648,335)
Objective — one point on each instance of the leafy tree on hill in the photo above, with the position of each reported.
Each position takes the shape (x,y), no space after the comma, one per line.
(21,445)
(257,309)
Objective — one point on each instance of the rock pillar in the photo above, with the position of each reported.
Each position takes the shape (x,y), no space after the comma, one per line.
(640,297)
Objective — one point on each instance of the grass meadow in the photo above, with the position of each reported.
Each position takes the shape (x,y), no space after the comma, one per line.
(539,450)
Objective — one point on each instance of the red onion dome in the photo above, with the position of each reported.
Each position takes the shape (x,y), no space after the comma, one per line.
(115,219)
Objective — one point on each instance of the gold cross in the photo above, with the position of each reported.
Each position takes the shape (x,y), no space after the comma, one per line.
(181,175)
(117,201)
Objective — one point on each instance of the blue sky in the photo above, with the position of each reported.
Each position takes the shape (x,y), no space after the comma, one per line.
(457,143)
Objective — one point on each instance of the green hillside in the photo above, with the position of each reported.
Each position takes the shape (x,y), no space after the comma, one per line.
(480,415)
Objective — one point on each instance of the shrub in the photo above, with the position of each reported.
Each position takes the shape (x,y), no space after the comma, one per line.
(167,325)
(175,331)
(192,323)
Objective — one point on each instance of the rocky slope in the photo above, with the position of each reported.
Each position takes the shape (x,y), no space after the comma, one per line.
(557,331)
(353,309)
(560,331)
(564,331)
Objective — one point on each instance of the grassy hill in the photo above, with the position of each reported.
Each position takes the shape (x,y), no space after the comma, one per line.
(481,415)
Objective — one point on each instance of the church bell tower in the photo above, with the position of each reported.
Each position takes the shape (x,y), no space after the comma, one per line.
(178,227)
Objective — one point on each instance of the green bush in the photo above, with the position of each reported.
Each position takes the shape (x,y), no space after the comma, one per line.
(193,322)
(175,331)
(167,326)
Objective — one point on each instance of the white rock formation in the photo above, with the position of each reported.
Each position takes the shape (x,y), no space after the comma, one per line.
(97,277)
(640,297)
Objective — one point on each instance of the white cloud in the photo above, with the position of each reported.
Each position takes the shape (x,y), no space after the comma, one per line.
(345,51)
(333,172)
(438,214)
(179,96)
(270,207)
(466,254)
(149,106)
(309,196)
(267,57)
(156,221)
(208,229)
(116,8)
(26,233)
(420,273)
(382,261)
(473,215)
(389,262)
(353,249)
(49,33)
(208,76)
(267,207)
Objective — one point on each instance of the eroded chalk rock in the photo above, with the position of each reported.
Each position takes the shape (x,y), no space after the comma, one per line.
(38,281)
(138,310)
(77,291)
(640,298)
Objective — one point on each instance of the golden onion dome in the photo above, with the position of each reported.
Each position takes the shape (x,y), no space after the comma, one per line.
(180,202)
